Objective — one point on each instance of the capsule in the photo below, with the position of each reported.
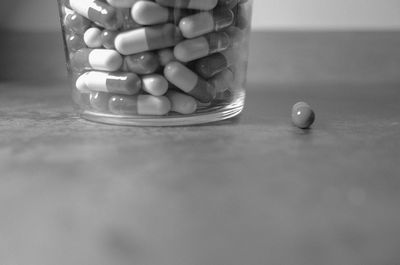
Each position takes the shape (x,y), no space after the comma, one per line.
(206,22)
(121,3)
(228,3)
(154,84)
(128,22)
(181,103)
(214,63)
(76,22)
(142,63)
(189,82)
(223,80)
(139,105)
(98,12)
(118,83)
(92,38)
(190,4)
(147,39)
(241,18)
(150,13)
(96,59)
(165,56)
(99,101)
(192,49)
(302,115)
(75,42)
(107,38)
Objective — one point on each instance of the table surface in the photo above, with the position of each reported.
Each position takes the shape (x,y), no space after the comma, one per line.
(253,190)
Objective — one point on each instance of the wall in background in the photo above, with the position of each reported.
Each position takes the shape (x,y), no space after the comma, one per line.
(271,14)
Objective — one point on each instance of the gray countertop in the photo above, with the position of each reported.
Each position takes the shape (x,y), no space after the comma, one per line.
(252,190)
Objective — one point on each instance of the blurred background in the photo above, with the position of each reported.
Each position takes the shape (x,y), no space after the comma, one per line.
(41,15)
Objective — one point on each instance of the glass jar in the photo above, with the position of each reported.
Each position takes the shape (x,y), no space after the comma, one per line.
(157,63)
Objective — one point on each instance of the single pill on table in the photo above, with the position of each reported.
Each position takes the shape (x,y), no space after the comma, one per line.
(76,22)
(121,3)
(99,101)
(182,103)
(192,49)
(302,115)
(190,4)
(142,63)
(147,39)
(107,38)
(189,82)
(92,37)
(139,105)
(118,82)
(206,22)
(75,42)
(96,59)
(154,84)
(211,65)
(97,11)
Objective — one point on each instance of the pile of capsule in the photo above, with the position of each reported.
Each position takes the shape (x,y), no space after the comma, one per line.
(155,57)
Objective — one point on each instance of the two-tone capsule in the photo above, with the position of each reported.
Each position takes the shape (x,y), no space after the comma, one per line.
(98,12)
(118,82)
(192,49)
(190,4)
(206,22)
(147,39)
(189,82)
(139,105)
(96,59)
(214,63)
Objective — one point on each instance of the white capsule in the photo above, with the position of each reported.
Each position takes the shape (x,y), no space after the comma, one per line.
(92,38)
(154,84)
(150,13)
(121,3)
(97,59)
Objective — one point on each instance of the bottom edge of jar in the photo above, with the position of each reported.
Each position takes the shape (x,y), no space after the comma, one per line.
(209,116)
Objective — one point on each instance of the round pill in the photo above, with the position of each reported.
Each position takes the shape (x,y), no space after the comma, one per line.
(76,22)
(75,42)
(302,115)
(92,38)
(107,38)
